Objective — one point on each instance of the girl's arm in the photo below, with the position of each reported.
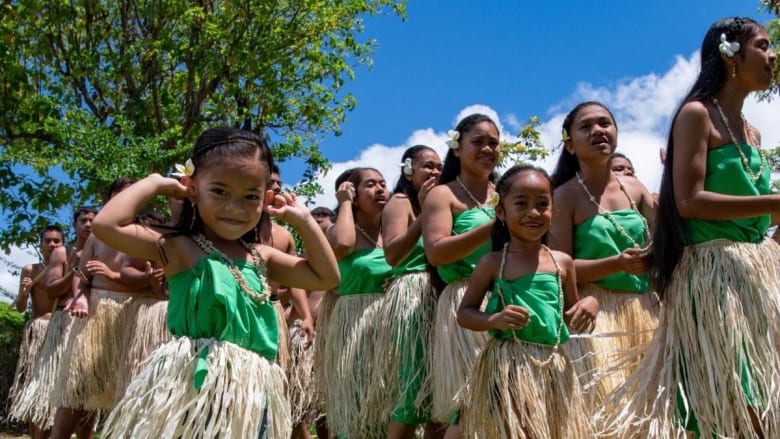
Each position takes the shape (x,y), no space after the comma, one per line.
(693,134)
(341,235)
(580,313)
(441,247)
(320,271)
(400,229)
(561,238)
(482,279)
(115,224)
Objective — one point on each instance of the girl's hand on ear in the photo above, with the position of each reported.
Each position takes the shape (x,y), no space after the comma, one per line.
(286,207)
(171,187)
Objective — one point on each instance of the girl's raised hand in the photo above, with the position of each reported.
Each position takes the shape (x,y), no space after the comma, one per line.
(582,315)
(286,207)
(346,192)
(171,187)
(425,189)
(511,317)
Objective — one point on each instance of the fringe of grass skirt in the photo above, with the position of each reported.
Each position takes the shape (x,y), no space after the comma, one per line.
(324,312)
(301,375)
(33,336)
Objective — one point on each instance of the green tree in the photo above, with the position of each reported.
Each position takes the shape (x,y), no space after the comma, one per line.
(93,90)
(528,148)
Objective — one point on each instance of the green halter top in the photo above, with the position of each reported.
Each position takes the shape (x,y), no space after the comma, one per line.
(597,238)
(461,223)
(364,272)
(207,302)
(726,175)
(538,293)
(414,262)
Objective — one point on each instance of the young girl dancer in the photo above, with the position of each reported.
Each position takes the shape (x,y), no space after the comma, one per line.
(600,219)
(714,364)
(350,349)
(456,222)
(406,327)
(522,385)
(217,378)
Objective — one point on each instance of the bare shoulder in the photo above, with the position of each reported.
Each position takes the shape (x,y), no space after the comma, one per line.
(563,259)
(440,197)
(28,270)
(693,112)
(564,195)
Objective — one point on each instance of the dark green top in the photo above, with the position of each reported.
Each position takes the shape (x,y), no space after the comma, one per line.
(461,223)
(364,272)
(539,294)
(598,238)
(414,262)
(726,175)
(207,302)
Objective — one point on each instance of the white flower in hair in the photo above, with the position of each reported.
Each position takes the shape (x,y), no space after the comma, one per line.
(728,48)
(494,199)
(406,166)
(186,170)
(452,142)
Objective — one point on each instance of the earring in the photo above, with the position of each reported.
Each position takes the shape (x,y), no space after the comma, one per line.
(733,70)
(257,234)
(194,216)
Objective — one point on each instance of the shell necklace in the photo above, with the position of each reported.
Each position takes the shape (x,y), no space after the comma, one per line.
(208,247)
(483,206)
(366,235)
(749,132)
(560,304)
(608,215)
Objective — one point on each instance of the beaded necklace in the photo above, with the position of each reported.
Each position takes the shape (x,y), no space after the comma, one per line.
(363,232)
(749,133)
(608,215)
(208,248)
(560,304)
(471,196)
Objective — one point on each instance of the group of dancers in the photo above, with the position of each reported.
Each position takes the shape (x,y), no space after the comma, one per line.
(570,305)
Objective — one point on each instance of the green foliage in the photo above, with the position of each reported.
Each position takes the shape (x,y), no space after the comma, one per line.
(97,90)
(11,328)
(527,149)
(773,29)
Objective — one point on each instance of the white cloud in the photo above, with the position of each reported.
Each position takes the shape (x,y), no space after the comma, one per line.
(10,266)
(642,107)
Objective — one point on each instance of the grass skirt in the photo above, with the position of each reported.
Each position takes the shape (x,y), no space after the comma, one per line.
(349,362)
(512,395)
(454,351)
(241,390)
(324,312)
(301,375)
(624,329)
(405,338)
(34,402)
(147,329)
(33,335)
(283,352)
(716,352)
(95,348)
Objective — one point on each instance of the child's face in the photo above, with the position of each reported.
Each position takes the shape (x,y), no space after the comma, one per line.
(229,197)
(621,166)
(593,134)
(427,164)
(479,147)
(527,206)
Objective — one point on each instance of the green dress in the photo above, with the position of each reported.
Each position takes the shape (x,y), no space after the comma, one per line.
(598,238)
(539,294)
(461,223)
(364,271)
(207,302)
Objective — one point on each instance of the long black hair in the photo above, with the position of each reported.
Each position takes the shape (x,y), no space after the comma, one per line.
(671,233)
(216,146)
(499,233)
(451,167)
(568,165)
(404,185)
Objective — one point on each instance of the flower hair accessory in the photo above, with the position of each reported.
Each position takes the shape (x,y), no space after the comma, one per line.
(186,170)
(728,48)
(452,142)
(565,134)
(494,199)
(406,166)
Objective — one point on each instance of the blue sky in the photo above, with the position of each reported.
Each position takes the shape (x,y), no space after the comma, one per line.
(514,59)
